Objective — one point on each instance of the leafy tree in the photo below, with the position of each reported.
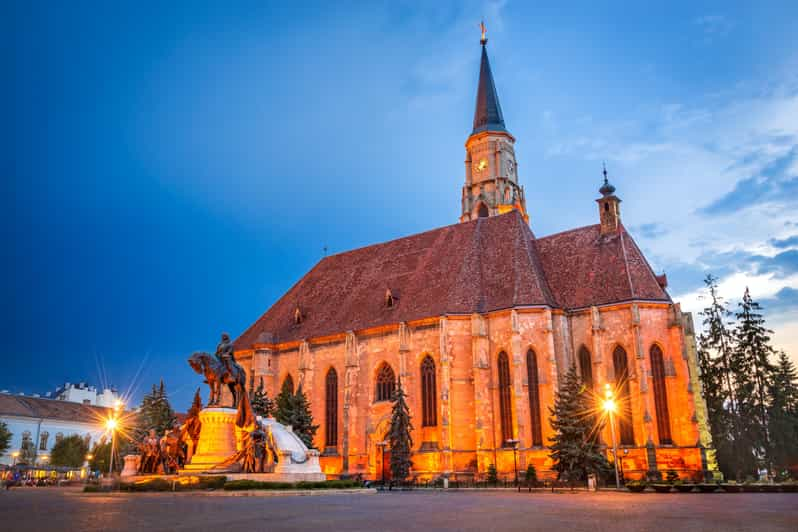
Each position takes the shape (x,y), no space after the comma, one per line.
(715,354)
(783,415)
(575,448)
(69,452)
(294,410)
(399,438)
(155,413)
(101,457)
(261,404)
(5,438)
(754,374)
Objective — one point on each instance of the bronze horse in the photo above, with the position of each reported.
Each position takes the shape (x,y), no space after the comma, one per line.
(216,374)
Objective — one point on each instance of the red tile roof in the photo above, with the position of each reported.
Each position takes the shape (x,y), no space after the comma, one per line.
(478,266)
(38,407)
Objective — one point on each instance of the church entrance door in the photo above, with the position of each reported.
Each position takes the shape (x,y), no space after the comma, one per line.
(386,466)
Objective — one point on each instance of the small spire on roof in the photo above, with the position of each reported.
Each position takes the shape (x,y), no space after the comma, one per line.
(606,189)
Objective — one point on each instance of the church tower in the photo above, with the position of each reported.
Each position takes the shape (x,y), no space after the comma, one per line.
(491,172)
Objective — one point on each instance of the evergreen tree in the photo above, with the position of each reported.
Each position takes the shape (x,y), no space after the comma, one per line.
(575,448)
(399,438)
(69,452)
(715,354)
(261,404)
(754,375)
(155,413)
(285,402)
(196,406)
(5,438)
(783,415)
(294,410)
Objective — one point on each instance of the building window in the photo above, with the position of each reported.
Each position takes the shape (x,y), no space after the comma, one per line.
(58,437)
(43,440)
(534,397)
(482,212)
(386,383)
(620,363)
(660,396)
(429,417)
(505,406)
(586,367)
(331,409)
(288,384)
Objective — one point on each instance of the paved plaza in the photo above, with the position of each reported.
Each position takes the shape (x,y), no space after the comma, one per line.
(54,509)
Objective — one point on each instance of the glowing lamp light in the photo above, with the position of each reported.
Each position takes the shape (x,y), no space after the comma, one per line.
(110,423)
(609,405)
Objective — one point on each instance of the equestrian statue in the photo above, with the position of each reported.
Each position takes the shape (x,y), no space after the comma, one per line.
(220,369)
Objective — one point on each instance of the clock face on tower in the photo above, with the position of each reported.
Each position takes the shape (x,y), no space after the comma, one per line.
(481,165)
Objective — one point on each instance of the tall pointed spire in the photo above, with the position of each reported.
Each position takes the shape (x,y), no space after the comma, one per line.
(491,172)
(488,113)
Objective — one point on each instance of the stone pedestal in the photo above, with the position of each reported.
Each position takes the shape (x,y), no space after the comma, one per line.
(131,465)
(217,441)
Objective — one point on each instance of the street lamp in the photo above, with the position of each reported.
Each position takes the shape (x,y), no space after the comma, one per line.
(14,455)
(609,407)
(514,445)
(111,425)
(382,445)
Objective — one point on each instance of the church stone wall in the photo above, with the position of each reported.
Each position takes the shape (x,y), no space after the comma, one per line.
(465,349)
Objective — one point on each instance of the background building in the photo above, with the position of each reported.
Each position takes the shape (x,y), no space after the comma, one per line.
(43,422)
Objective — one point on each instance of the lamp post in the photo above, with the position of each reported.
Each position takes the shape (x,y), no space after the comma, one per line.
(382,445)
(514,445)
(110,424)
(609,407)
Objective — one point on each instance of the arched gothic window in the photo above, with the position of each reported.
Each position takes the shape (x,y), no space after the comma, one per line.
(331,409)
(386,383)
(586,367)
(429,417)
(288,384)
(534,397)
(621,366)
(660,395)
(482,212)
(43,437)
(505,406)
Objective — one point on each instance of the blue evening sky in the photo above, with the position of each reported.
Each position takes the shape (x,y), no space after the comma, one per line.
(171,168)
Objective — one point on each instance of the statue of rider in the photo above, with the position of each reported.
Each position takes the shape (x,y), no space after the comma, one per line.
(224,353)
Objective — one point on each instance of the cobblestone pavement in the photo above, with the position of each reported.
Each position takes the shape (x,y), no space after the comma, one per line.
(62,509)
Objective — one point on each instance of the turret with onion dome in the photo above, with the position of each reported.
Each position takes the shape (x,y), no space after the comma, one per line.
(609,207)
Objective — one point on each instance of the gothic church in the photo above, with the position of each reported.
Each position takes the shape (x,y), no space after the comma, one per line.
(480,319)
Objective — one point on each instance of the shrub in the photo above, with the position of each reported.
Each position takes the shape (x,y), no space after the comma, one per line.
(531,475)
(671,476)
(493,476)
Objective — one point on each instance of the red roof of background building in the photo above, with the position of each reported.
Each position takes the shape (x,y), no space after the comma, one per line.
(39,407)
(479,266)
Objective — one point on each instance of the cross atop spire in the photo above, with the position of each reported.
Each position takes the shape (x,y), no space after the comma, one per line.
(484,40)
(488,113)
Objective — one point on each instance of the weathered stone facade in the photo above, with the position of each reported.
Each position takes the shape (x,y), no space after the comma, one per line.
(465,348)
